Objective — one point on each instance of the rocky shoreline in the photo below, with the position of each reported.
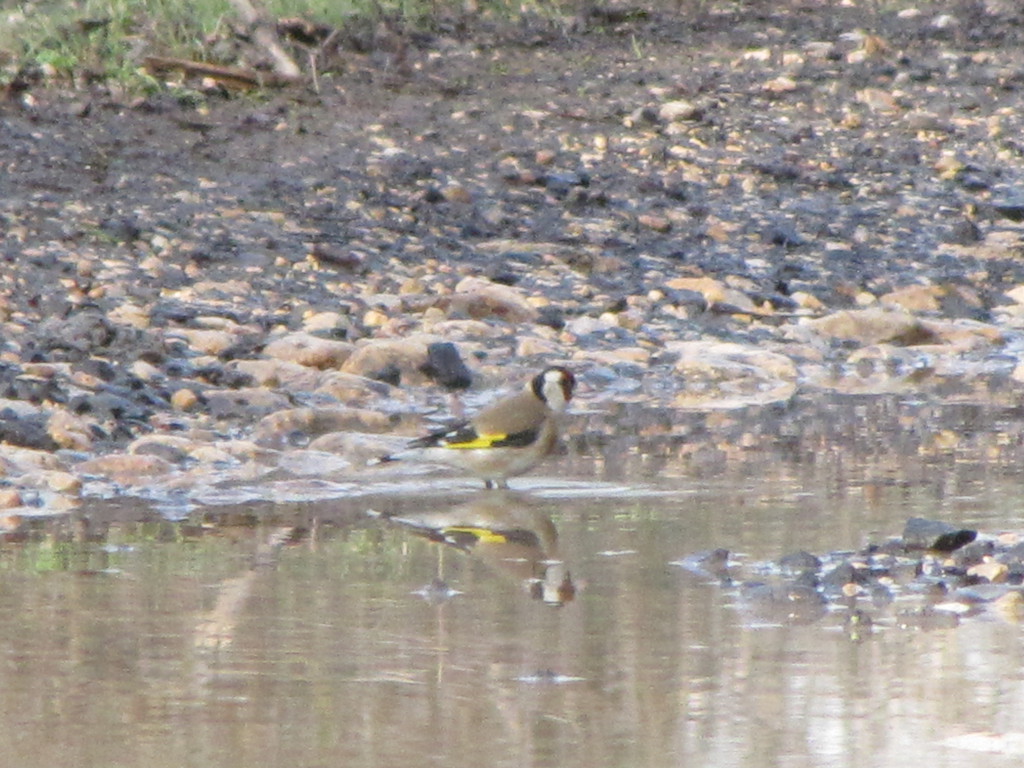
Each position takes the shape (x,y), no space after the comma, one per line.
(804,210)
(928,578)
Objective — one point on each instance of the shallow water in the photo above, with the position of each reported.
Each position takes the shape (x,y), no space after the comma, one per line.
(292,634)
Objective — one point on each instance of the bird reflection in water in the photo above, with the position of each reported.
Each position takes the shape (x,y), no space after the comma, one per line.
(509,532)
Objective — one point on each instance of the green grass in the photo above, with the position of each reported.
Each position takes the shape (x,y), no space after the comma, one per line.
(81,41)
(98,39)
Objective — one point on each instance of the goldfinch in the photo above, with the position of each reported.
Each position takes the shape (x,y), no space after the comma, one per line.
(505,530)
(506,439)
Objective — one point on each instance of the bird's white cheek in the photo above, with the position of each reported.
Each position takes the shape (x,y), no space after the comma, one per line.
(555,397)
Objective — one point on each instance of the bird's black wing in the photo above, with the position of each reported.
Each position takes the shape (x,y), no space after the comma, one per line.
(465,436)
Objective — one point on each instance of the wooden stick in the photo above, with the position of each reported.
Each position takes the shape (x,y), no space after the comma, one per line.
(230,77)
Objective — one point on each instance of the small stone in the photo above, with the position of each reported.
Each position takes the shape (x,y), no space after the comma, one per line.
(780,84)
(329,255)
(617,356)
(1011,209)
(531,346)
(851,589)
(963,232)
(348,388)
(545,156)
(456,193)
(16,460)
(69,431)
(920,533)
(725,374)
(949,165)
(173,448)
(126,468)
(309,350)
(62,482)
(209,342)
(798,563)
(914,298)
(358,447)
(807,301)
(712,563)
(838,579)
(184,399)
(279,374)
(299,425)
(877,100)
(657,223)
(716,294)
(446,366)
(28,431)
(405,357)
(672,111)
(374,318)
(245,402)
(131,315)
(10,498)
(873,326)
(480,298)
(926,121)
(990,570)
(334,323)
(641,116)
(585,325)
(145,371)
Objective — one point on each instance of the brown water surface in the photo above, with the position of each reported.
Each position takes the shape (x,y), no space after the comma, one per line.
(292,634)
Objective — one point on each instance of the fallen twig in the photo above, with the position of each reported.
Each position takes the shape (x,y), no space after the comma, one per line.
(230,77)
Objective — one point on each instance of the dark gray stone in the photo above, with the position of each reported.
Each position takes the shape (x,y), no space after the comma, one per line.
(921,533)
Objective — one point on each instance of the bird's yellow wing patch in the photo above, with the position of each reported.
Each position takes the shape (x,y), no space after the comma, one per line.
(477,441)
(485,535)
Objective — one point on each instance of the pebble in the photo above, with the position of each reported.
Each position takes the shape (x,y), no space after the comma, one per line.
(921,533)
(244,403)
(284,427)
(377,358)
(353,389)
(309,350)
(184,399)
(446,366)
(479,298)
(69,431)
(281,374)
(872,326)
(125,468)
(10,498)
(990,570)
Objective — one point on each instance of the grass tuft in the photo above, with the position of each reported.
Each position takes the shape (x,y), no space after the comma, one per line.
(77,42)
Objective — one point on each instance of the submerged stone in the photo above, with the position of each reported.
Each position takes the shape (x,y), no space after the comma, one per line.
(798,563)
(921,533)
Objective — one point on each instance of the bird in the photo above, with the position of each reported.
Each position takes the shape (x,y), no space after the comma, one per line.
(506,530)
(505,439)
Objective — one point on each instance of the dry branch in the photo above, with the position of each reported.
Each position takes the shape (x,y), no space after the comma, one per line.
(229,77)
